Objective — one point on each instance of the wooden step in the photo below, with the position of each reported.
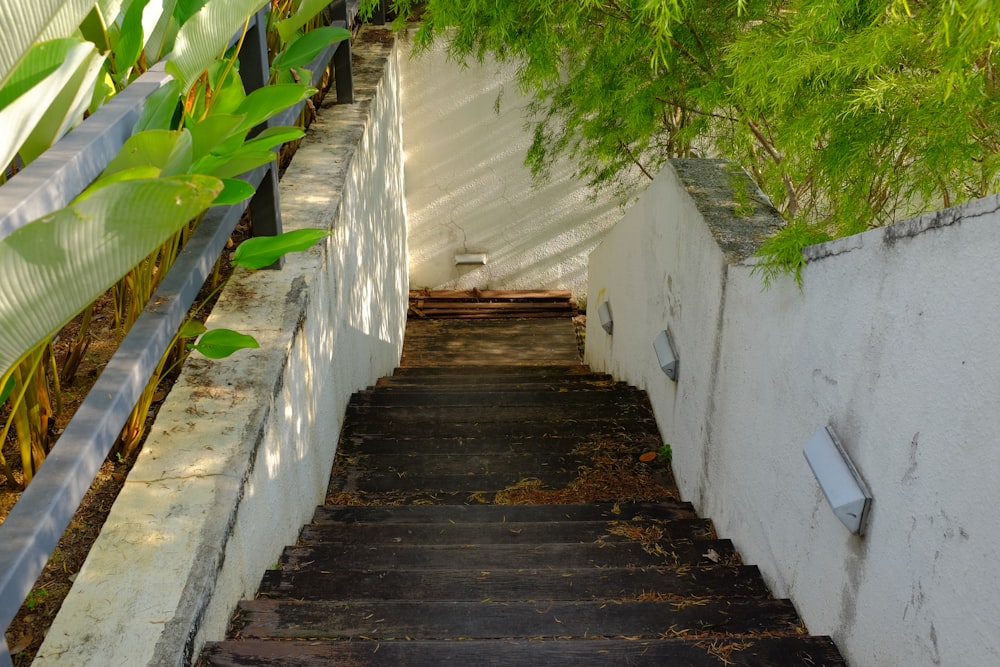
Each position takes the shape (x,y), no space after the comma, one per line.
(555,396)
(405,481)
(735,652)
(594,428)
(543,619)
(505,584)
(377,445)
(666,510)
(482,557)
(523,532)
(546,413)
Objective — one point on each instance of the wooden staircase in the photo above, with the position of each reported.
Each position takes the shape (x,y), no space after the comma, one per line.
(488,507)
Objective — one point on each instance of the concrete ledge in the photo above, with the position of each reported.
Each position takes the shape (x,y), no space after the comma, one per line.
(241,451)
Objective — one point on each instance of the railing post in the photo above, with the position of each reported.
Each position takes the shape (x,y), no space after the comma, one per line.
(342,71)
(378,14)
(5,659)
(265,206)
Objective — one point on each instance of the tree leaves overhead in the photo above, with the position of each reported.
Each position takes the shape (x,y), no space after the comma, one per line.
(848,114)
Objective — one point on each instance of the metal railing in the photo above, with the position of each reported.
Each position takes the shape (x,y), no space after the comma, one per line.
(34,526)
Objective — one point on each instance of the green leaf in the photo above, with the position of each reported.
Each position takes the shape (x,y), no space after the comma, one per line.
(191,329)
(275,136)
(301,51)
(232,165)
(66,110)
(265,102)
(51,268)
(30,90)
(233,192)
(26,22)
(205,36)
(261,251)
(212,134)
(7,389)
(127,51)
(307,10)
(168,150)
(220,343)
(160,108)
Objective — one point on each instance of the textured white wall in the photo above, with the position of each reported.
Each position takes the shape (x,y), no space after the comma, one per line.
(467,189)
(892,341)
(241,452)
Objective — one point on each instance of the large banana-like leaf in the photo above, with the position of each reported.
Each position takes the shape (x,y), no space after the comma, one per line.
(52,268)
(25,22)
(35,85)
(206,35)
(306,11)
(66,110)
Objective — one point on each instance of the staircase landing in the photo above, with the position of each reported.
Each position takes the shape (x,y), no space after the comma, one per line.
(488,507)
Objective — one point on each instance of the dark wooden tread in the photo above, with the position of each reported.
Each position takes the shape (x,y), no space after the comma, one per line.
(709,652)
(388,621)
(501,584)
(480,304)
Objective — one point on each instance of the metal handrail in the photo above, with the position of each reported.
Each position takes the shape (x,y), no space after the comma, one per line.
(34,526)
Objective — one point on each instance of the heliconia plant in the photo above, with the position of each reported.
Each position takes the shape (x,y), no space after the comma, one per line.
(191,144)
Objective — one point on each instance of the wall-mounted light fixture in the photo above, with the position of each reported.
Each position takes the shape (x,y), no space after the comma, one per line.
(666,355)
(471,258)
(843,487)
(604,312)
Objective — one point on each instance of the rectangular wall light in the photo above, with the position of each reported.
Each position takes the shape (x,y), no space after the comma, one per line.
(471,258)
(665,355)
(843,487)
(604,312)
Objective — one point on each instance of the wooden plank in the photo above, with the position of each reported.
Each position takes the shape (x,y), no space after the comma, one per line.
(555,413)
(468,483)
(527,397)
(666,510)
(501,584)
(630,429)
(704,617)
(468,462)
(523,295)
(478,558)
(560,444)
(734,652)
(525,532)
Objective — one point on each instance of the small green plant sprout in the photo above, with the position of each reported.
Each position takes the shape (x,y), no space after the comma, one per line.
(665,455)
(35,598)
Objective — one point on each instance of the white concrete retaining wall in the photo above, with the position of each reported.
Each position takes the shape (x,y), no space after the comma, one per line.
(892,341)
(241,451)
(468,191)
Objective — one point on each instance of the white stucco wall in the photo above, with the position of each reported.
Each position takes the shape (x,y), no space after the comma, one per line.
(468,191)
(893,342)
(241,451)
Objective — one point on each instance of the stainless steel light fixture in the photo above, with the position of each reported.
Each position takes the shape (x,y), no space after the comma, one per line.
(843,487)
(665,354)
(471,258)
(604,312)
